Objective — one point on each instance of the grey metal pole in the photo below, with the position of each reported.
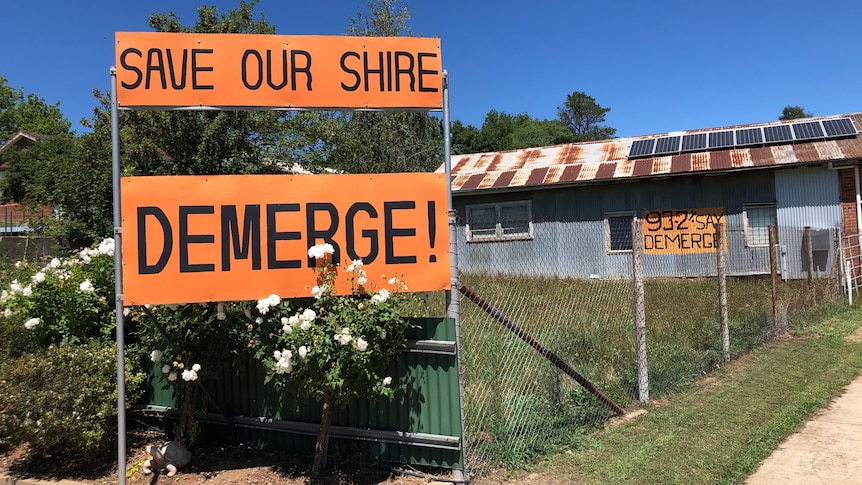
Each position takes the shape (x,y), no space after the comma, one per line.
(453,302)
(118,284)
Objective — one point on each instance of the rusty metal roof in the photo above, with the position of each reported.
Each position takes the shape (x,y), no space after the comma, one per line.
(607,160)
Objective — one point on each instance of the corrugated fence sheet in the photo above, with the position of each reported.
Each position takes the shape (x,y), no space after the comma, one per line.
(420,425)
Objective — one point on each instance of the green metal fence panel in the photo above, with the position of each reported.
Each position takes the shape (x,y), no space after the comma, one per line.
(420,425)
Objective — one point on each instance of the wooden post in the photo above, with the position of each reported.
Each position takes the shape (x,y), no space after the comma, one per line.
(722,292)
(777,325)
(640,310)
(809,256)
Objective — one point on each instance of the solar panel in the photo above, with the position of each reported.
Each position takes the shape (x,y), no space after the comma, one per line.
(839,127)
(668,144)
(749,136)
(695,141)
(642,148)
(721,139)
(773,134)
(807,130)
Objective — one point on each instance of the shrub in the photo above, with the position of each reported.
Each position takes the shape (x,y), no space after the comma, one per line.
(62,400)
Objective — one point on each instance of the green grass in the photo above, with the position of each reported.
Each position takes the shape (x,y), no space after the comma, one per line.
(719,430)
(519,408)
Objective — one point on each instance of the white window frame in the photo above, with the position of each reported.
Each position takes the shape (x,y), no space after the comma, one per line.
(748,227)
(499,234)
(608,243)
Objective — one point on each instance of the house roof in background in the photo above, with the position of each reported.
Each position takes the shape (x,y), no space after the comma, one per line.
(608,160)
(19,137)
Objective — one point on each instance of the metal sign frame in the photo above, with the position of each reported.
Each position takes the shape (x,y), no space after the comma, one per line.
(452,301)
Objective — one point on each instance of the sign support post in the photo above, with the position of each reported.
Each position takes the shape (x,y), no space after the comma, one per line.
(118,283)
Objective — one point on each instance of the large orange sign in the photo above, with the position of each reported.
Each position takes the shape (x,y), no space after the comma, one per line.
(682,231)
(233,71)
(245,237)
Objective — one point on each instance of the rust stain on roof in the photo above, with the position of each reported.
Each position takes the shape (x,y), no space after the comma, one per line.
(576,163)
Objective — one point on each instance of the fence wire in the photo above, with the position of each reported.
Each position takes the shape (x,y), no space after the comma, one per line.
(520,406)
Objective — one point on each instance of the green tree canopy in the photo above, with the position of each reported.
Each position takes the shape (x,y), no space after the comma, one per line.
(584,118)
(28,112)
(503,131)
(793,113)
(375,142)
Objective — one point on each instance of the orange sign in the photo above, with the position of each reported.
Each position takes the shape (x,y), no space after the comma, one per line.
(682,231)
(245,237)
(243,71)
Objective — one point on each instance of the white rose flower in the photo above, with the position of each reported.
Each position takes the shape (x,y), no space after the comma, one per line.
(361,344)
(303,351)
(387,380)
(172,376)
(156,356)
(196,367)
(166,368)
(29,324)
(86,286)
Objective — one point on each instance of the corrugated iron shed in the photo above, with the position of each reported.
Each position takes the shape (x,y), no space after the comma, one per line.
(607,160)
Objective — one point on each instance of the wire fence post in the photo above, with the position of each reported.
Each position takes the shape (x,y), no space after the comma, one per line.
(778,325)
(722,292)
(640,310)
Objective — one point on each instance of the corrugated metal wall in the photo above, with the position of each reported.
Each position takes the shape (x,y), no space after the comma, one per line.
(570,231)
(807,197)
(420,425)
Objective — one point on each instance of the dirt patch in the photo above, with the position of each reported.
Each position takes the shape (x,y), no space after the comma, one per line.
(215,465)
(855,336)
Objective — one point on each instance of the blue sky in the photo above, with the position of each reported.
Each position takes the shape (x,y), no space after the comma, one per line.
(660,66)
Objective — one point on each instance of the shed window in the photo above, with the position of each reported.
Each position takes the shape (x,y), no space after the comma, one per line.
(618,231)
(758,218)
(500,221)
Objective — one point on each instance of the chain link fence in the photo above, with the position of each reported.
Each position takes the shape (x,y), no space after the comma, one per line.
(548,359)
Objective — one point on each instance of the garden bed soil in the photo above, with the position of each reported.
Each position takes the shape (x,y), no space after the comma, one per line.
(216,465)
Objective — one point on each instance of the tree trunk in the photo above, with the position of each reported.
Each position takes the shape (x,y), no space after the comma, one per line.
(187,413)
(322,445)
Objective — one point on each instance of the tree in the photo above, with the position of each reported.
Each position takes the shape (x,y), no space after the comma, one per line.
(502,131)
(28,112)
(376,142)
(793,113)
(584,118)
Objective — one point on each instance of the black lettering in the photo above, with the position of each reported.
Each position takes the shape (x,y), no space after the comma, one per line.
(139,76)
(143,267)
(696,240)
(649,241)
(245,71)
(196,69)
(250,236)
(182,83)
(423,72)
(400,69)
(273,236)
(653,221)
(154,63)
(368,70)
(270,69)
(390,233)
(369,234)
(186,238)
(667,216)
(681,224)
(355,73)
(326,234)
(305,69)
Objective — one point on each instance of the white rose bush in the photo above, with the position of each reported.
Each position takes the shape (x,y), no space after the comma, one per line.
(333,347)
(326,346)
